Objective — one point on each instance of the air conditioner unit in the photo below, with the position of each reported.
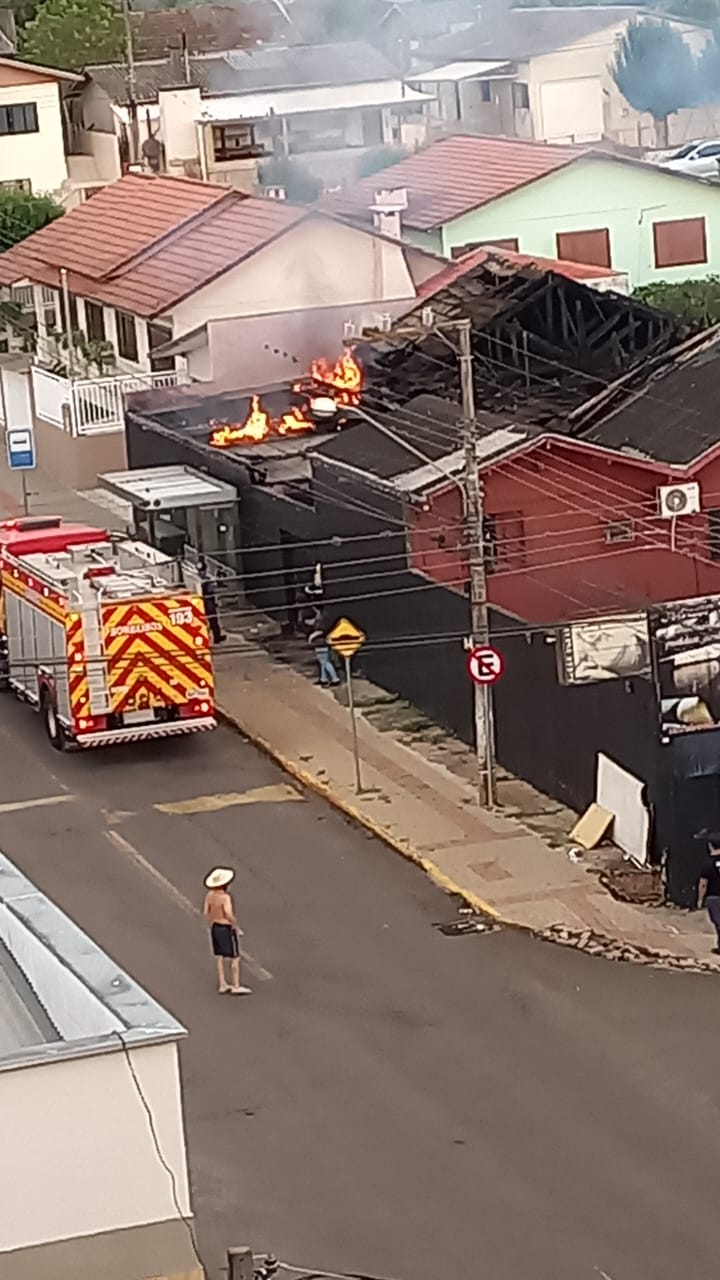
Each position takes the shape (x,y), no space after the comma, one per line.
(678,500)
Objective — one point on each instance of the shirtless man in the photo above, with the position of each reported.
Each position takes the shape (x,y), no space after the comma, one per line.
(224,933)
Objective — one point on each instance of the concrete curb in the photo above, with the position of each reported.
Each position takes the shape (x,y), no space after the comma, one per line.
(595,944)
(403,847)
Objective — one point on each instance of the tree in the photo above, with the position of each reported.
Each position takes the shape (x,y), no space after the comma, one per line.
(655,70)
(379,158)
(72,33)
(695,301)
(298,182)
(21,214)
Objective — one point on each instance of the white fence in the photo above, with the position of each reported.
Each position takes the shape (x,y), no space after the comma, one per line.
(91,406)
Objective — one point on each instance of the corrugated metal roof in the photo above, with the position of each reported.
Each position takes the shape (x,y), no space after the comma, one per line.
(288,102)
(267,67)
(164,488)
(453,176)
(517,34)
(145,243)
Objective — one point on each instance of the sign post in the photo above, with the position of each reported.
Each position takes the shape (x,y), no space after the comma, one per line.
(346,639)
(485,666)
(20,444)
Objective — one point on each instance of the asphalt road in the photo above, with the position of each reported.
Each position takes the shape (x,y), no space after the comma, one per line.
(389,1100)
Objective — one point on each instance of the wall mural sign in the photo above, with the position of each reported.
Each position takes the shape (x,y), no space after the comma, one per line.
(612,648)
(686,641)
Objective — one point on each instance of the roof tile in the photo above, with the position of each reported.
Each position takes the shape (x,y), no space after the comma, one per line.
(461,266)
(453,176)
(144,243)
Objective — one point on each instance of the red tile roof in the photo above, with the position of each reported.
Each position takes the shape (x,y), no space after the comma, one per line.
(144,243)
(461,266)
(453,176)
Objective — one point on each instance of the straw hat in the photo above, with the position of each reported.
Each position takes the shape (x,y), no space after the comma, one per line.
(218,878)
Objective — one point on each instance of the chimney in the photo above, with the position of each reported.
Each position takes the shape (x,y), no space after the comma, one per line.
(176,64)
(386,210)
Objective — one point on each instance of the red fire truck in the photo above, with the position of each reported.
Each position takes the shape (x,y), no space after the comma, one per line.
(101,635)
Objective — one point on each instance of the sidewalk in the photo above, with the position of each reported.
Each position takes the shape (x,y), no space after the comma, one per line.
(419,808)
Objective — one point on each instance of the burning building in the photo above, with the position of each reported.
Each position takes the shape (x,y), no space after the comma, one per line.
(316,400)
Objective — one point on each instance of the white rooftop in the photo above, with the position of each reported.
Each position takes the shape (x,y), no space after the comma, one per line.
(167,488)
(60,995)
(455,71)
(288,102)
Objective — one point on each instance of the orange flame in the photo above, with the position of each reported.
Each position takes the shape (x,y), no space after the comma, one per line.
(345,377)
(258,426)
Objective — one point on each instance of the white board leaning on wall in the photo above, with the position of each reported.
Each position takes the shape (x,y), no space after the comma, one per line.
(621,793)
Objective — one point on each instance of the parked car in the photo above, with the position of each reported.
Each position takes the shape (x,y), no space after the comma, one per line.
(700,159)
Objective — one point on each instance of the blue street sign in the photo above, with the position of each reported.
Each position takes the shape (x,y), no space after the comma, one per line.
(20,448)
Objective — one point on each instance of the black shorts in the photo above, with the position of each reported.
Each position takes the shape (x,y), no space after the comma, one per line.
(225,941)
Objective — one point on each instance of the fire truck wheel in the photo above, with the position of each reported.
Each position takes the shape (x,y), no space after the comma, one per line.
(53,728)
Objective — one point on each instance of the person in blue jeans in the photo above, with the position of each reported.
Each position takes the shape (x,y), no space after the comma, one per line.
(327,675)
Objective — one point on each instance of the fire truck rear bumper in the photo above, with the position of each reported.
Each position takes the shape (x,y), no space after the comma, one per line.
(144,732)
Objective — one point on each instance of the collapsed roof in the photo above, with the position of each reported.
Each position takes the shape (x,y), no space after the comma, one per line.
(543,344)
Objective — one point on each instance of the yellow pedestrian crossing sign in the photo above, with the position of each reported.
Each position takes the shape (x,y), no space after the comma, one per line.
(346,638)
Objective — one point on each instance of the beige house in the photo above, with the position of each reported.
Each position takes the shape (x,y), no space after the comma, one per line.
(544,74)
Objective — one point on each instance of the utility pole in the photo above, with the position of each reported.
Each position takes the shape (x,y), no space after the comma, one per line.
(474,522)
(133,130)
(472,492)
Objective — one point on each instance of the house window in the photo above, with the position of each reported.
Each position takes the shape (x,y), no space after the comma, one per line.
(126,336)
(681,243)
(95,321)
(485,95)
(158,335)
(19,118)
(504,540)
(17,184)
(235,142)
(592,247)
(714,533)
(520,95)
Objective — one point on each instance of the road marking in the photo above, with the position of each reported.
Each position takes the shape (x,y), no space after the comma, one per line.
(210,804)
(41,803)
(124,846)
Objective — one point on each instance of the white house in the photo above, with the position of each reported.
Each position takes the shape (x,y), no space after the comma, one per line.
(84,1054)
(32,145)
(42,151)
(544,74)
(215,116)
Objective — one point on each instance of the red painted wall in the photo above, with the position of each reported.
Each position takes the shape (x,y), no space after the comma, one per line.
(550,506)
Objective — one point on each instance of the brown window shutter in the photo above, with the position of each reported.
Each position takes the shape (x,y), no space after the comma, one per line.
(681,243)
(591,247)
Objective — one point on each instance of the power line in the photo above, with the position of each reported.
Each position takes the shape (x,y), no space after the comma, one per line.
(159,1151)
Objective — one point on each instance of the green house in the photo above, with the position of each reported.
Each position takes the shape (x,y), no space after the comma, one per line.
(553,201)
